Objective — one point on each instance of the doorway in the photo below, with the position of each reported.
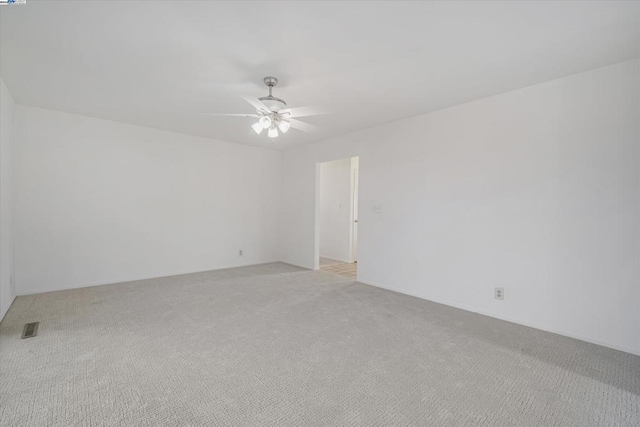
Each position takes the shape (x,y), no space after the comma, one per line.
(337,220)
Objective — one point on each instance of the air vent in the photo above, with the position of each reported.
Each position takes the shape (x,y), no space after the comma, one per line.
(30,330)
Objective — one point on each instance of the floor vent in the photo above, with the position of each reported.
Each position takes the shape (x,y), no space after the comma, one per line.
(30,330)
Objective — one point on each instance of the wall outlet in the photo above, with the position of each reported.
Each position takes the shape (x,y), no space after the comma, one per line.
(377,209)
(240,252)
(499,293)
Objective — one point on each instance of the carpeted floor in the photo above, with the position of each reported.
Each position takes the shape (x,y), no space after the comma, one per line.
(274,345)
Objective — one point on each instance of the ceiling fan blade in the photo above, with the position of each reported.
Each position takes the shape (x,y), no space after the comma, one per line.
(304,111)
(256,103)
(230,115)
(305,127)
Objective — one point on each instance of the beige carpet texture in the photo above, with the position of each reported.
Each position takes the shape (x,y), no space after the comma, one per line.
(275,345)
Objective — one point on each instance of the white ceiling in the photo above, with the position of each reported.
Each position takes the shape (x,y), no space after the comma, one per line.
(160,63)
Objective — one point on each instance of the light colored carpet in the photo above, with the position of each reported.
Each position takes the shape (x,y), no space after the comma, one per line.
(274,345)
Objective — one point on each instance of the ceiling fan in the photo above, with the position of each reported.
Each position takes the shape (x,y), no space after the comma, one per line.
(273,115)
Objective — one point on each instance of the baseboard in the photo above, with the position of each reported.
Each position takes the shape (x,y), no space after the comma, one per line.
(360,280)
(134,279)
(509,319)
(336,259)
(295,264)
(8,308)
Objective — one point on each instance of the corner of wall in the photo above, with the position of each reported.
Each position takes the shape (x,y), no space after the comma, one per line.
(7,123)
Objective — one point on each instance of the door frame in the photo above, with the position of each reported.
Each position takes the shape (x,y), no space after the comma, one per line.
(316,228)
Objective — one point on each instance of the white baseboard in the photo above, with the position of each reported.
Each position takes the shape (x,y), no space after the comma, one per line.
(336,259)
(360,280)
(509,319)
(4,311)
(133,279)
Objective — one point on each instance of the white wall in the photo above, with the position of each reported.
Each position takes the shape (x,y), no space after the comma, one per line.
(102,202)
(335,210)
(7,290)
(535,190)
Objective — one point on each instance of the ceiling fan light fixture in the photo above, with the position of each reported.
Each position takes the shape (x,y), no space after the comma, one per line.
(257,127)
(265,121)
(272,114)
(284,126)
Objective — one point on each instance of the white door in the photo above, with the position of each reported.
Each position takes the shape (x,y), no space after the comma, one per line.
(354,209)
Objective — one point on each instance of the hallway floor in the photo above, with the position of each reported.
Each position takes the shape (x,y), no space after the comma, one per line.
(345,269)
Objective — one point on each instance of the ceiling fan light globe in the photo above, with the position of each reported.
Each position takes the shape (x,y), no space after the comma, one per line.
(257,127)
(273,132)
(265,121)
(284,126)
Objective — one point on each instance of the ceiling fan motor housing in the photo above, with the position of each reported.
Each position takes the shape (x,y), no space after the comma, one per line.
(273,103)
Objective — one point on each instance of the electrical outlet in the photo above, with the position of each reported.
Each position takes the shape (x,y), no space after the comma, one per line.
(377,209)
(240,252)
(499,293)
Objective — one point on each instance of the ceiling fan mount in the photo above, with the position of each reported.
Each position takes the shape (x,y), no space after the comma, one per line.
(274,104)
(271,81)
